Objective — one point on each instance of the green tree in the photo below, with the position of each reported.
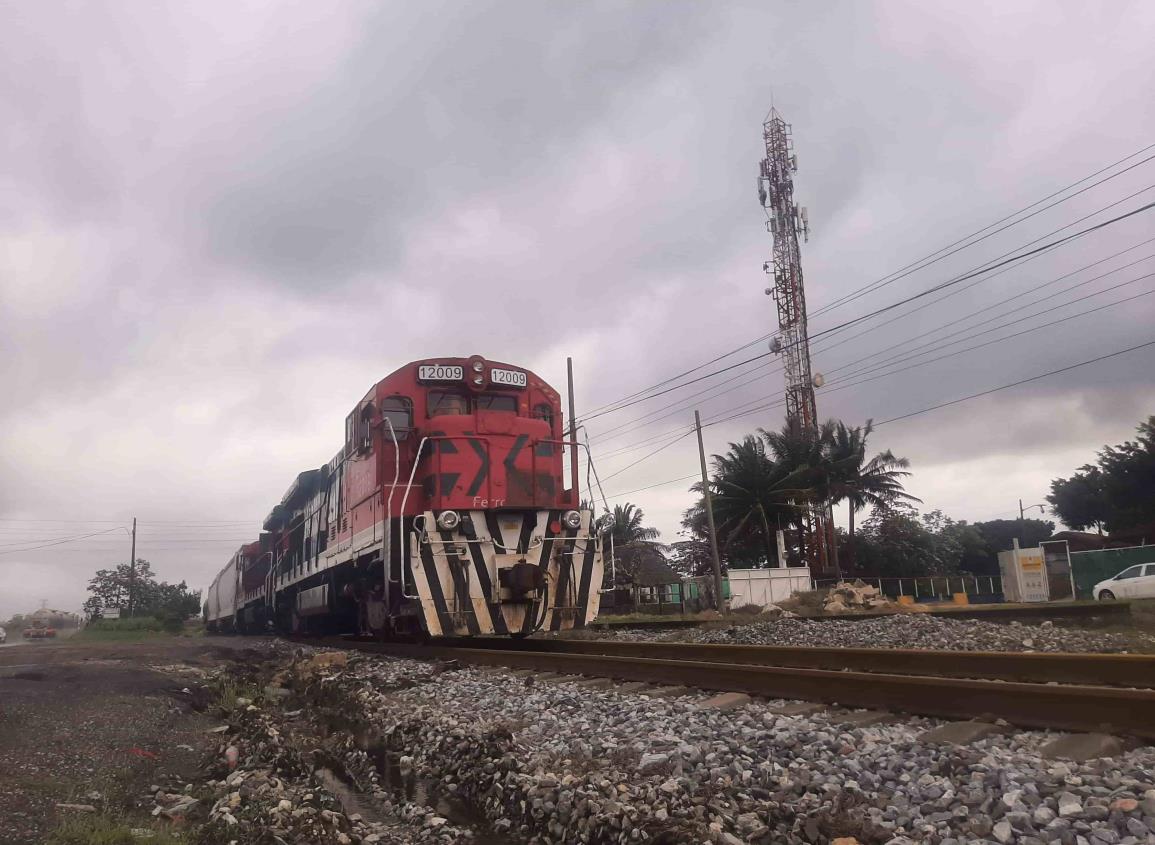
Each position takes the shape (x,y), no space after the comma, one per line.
(691,555)
(1117,493)
(974,552)
(894,542)
(1128,474)
(634,543)
(1000,534)
(1080,501)
(119,587)
(753,496)
(859,482)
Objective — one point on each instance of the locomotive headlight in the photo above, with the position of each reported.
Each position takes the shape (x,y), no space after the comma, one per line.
(571,519)
(478,366)
(448,520)
(479,380)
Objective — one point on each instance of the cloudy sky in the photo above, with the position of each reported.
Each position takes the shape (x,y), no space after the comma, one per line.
(221,222)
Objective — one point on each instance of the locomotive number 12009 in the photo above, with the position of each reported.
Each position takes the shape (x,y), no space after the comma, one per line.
(511,378)
(440,372)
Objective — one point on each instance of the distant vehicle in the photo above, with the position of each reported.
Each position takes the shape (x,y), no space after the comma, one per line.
(1134,582)
(3,636)
(39,631)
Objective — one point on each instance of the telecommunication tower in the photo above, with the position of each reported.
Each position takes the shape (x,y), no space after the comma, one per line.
(785,220)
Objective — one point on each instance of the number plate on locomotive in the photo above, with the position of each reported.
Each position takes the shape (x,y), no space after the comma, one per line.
(507,378)
(440,372)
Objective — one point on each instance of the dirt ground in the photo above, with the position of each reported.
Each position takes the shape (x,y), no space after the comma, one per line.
(97,723)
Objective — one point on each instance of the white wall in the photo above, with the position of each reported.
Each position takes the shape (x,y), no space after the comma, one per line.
(767,586)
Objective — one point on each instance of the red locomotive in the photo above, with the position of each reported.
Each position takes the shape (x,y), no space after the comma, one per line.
(445,513)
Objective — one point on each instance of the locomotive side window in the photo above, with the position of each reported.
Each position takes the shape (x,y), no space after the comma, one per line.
(364,429)
(497,402)
(446,403)
(399,411)
(350,425)
(544,412)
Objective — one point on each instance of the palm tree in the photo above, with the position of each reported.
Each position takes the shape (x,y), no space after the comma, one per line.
(805,451)
(857,481)
(634,543)
(749,491)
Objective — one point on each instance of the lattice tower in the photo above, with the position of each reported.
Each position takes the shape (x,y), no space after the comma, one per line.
(785,221)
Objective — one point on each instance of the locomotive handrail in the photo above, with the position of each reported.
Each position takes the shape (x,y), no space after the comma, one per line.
(404,501)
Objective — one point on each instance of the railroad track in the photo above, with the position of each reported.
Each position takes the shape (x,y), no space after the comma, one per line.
(1112,693)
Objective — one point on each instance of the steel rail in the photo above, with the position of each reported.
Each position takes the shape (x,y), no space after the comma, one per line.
(1034,705)
(1126,670)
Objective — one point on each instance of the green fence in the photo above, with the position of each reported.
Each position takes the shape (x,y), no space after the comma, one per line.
(1089,568)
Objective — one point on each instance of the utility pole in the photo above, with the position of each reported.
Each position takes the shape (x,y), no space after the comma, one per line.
(573,449)
(715,559)
(132,572)
(785,220)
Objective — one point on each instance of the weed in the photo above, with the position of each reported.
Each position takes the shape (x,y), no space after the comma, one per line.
(108,830)
(228,690)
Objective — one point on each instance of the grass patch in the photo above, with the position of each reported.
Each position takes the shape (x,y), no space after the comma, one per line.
(137,628)
(619,618)
(227,690)
(100,829)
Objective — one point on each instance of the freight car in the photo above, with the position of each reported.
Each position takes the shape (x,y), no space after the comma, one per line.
(444,513)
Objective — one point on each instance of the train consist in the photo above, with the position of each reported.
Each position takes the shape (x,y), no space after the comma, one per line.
(444,513)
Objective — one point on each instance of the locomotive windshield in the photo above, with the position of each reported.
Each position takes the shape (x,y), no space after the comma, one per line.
(497,402)
(447,403)
(442,403)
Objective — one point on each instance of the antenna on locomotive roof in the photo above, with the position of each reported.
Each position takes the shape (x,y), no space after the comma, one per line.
(573,448)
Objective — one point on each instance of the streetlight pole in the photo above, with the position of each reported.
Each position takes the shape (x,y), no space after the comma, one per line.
(1022,513)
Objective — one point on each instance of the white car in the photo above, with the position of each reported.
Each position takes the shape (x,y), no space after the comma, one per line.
(1134,582)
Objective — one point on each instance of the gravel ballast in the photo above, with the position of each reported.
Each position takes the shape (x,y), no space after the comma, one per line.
(557,762)
(908,630)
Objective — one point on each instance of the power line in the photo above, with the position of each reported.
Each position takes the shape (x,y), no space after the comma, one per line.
(990,342)
(846,382)
(647,456)
(61,541)
(740,410)
(652,486)
(915,354)
(1004,260)
(685,403)
(1002,263)
(761,357)
(910,268)
(903,270)
(680,375)
(1017,383)
(935,407)
(949,323)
